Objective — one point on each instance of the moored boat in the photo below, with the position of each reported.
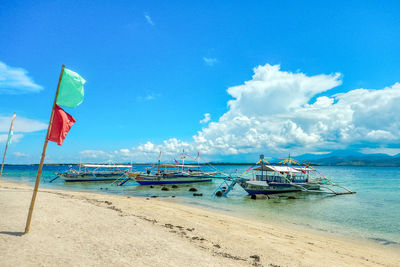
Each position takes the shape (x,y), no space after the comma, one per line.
(95,172)
(270,179)
(174,174)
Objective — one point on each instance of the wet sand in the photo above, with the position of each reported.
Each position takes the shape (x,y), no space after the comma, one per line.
(85,229)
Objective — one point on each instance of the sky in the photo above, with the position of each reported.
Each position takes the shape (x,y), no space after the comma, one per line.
(226,79)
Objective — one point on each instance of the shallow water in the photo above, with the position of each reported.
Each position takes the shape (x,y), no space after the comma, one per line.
(373,213)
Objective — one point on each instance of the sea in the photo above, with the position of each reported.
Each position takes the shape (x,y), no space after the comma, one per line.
(373,213)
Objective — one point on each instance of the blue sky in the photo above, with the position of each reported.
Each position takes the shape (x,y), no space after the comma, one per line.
(154,69)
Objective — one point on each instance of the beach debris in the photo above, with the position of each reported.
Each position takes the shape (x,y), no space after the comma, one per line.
(219,194)
(168,225)
(197,194)
(154,196)
(192,189)
(255,257)
(151,186)
(230,256)
(217,246)
(190,229)
(291,197)
(164,188)
(198,238)
(147,198)
(172,196)
(174,186)
(108,202)
(259,196)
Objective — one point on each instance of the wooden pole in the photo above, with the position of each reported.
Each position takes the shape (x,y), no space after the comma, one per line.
(5,150)
(35,190)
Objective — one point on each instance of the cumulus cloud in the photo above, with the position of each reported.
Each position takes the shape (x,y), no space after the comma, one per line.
(275,112)
(16,81)
(207,118)
(210,61)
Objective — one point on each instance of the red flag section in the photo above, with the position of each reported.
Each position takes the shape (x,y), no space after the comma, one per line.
(62,123)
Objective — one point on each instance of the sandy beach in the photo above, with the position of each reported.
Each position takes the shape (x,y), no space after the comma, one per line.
(85,229)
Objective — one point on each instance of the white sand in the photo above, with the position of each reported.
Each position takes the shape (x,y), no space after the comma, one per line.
(84,229)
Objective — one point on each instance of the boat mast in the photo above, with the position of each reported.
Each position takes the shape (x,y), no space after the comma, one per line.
(159,159)
(183,158)
(262,167)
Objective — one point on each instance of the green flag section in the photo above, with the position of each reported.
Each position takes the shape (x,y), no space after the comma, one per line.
(10,134)
(71,89)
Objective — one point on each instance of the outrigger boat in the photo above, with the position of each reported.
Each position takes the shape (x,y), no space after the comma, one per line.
(268,179)
(278,179)
(179,173)
(174,174)
(95,172)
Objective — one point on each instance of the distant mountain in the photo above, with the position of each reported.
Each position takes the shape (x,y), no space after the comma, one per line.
(346,158)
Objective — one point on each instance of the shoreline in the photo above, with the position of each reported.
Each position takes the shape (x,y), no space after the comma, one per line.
(84,228)
(372,240)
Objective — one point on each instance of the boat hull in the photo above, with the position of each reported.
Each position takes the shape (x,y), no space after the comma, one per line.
(144,180)
(89,177)
(275,188)
(101,179)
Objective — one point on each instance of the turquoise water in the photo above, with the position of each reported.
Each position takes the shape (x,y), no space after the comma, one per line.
(373,213)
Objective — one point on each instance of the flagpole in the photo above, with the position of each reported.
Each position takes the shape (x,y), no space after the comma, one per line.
(35,190)
(5,150)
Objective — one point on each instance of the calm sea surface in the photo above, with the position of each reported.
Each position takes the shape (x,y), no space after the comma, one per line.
(373,213)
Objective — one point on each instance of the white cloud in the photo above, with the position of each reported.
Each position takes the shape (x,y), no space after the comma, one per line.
(21,124)
(210,61)
(207,118)
(274,113)
(16,80)
(148,19)
(15,138)
(20,154)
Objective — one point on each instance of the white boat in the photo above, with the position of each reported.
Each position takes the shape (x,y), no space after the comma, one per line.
(270,179)
(95,172)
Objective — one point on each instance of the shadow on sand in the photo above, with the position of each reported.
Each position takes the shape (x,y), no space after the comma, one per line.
(12,233)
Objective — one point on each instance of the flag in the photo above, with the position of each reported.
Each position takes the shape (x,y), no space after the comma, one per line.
(62,123)
(71,91)
(10,137)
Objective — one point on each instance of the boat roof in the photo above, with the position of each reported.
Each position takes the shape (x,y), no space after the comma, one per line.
(276,169)
(105,166)
(303,168)
(178,166)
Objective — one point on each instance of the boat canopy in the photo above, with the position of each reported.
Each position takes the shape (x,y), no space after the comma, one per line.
(178,166)
(276,169)
(303,169)
(105,166)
